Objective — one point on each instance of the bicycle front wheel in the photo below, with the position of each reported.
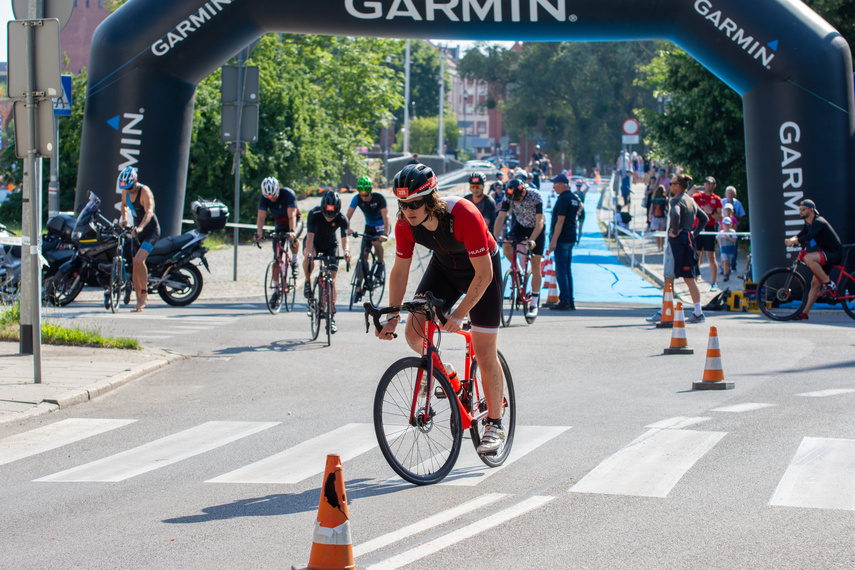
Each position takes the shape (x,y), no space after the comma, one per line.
(289,288)
(782,294)
(329,310)
(355,281)
(509,295)
(378,281)
(846,295)
(315,311)
(422,449)
(117,283)
(509,416)
(271,295)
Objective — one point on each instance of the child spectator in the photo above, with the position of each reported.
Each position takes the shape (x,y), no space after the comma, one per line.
(727,245)
(622,219)
(658,211)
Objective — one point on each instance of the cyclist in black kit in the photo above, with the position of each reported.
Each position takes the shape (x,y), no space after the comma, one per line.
(138,208)
(322,223)
(822,249)
(465,263)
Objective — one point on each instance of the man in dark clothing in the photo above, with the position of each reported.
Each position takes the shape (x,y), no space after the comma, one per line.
(563,238)
(822,249)
(682,237)
(484,202)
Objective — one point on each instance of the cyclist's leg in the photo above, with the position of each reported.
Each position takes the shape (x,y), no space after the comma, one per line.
(815,260)
(307,269)
(815,286)
(435,281)
(485,319)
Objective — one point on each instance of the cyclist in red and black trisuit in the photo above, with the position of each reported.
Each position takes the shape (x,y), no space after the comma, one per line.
(822,250)
(465,263)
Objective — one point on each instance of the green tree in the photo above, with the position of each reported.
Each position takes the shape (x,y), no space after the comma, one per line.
(424,74)
(424,133)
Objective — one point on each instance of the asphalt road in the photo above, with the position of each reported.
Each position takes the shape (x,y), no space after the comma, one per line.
(216,461)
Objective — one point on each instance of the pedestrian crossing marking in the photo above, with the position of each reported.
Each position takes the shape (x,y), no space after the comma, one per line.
(305,459)
(678,422)
(160,453)
(651,465)
(55,435)
(461,534)
(820,476)
(470,470)
(739,408)
(826,393)
(425,524)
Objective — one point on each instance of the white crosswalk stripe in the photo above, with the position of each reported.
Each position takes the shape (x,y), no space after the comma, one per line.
(739,408)
(160,453)
(820,476)
(53,436)
(827,393)
(305,459)
(651,465)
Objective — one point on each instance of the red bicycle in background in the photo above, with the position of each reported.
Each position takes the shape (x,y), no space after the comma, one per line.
(515,284)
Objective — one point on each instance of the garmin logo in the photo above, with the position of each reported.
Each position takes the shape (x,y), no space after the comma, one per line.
(131,137)
(193,23)
(790,133)
(460,10)
(737,34)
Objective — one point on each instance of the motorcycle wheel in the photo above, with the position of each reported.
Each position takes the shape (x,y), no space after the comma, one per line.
(190,279)
(60,290)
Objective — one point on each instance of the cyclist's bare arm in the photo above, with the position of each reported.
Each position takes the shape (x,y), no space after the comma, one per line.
(259,224)
(538,227)
(500,222)
(350,212)
(387,228)
(398,278)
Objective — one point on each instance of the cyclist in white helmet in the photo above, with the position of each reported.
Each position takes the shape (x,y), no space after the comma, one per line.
(282,203)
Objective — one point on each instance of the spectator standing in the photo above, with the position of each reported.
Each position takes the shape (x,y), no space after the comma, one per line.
(727,245)
(484,202)
(681,237)
(711,205)
(658,211)
(567,208)
(738,209)
(626,188)
(414,159)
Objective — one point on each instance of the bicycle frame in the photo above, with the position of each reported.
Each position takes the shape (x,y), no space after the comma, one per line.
(520,271)
(800,260)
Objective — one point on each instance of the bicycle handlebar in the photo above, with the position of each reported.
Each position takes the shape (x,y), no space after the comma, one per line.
(329,259)
(270,235)
(429,307)
(372,238)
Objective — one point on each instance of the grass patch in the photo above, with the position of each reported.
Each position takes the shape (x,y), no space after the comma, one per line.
(10,330)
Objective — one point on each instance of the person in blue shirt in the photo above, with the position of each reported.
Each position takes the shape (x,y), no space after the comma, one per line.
(373,206)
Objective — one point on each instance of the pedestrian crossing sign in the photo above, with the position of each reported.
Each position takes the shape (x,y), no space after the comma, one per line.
(62,104)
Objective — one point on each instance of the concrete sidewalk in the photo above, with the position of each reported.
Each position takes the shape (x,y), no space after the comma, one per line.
(70,375)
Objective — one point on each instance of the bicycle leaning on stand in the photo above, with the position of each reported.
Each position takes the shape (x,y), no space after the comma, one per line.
(282,292)
(369,274)
(321,305)
(420,415)
(783,292)
(515,284)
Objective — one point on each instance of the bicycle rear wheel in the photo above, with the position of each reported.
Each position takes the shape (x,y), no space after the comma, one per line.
(289,288)
(782,294)
(509,416)
(523,304)
(328,310)
(509,295)
(378,282)
(315,311)
(272,296)
(422,451)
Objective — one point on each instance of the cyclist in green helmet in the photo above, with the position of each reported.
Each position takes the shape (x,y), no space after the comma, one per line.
(373,206)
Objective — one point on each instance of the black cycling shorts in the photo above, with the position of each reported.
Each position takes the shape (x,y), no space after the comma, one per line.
(519,233)
(368,235)
(485,316)
(325,249)
(685,264)
(706,243)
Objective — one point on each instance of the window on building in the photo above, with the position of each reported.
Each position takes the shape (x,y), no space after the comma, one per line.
(482,127)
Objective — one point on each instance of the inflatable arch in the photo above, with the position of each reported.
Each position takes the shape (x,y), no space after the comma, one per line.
(792,69)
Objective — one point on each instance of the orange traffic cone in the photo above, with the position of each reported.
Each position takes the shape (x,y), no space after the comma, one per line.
(550,283)
(713,373)
(667,320)
(679,342)
(332,546)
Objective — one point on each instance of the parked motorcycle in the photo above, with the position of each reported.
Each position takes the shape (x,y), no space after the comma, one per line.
(10,268)
(172,271)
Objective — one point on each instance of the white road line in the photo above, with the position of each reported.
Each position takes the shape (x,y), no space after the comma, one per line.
(470,470)
(305,459)
(746,407)
(651,465)
(459,535)
(161,452)
(820,476)
(426,524)
(54,435)
(826,393)
(678,422)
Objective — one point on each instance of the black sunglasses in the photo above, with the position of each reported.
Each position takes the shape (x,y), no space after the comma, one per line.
(414,205)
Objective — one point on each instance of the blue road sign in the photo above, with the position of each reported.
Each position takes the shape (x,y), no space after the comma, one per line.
(62,104)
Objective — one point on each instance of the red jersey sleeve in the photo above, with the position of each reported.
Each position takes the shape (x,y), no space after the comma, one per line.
(470,229)
(404,242)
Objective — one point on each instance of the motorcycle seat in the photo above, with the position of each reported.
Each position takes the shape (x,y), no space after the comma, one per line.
(167,245)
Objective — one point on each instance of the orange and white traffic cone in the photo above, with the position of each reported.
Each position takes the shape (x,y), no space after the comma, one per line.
(667,320)
(332,546)
(550,282)
(713,374)
(679,342)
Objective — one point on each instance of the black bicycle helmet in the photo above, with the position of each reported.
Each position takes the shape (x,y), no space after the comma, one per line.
(414,180)
(515,189)
(331,203)
(477,178)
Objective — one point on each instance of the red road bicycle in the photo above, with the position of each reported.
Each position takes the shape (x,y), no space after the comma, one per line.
(281,293)
(515,284)
(419,417)
(783,291)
